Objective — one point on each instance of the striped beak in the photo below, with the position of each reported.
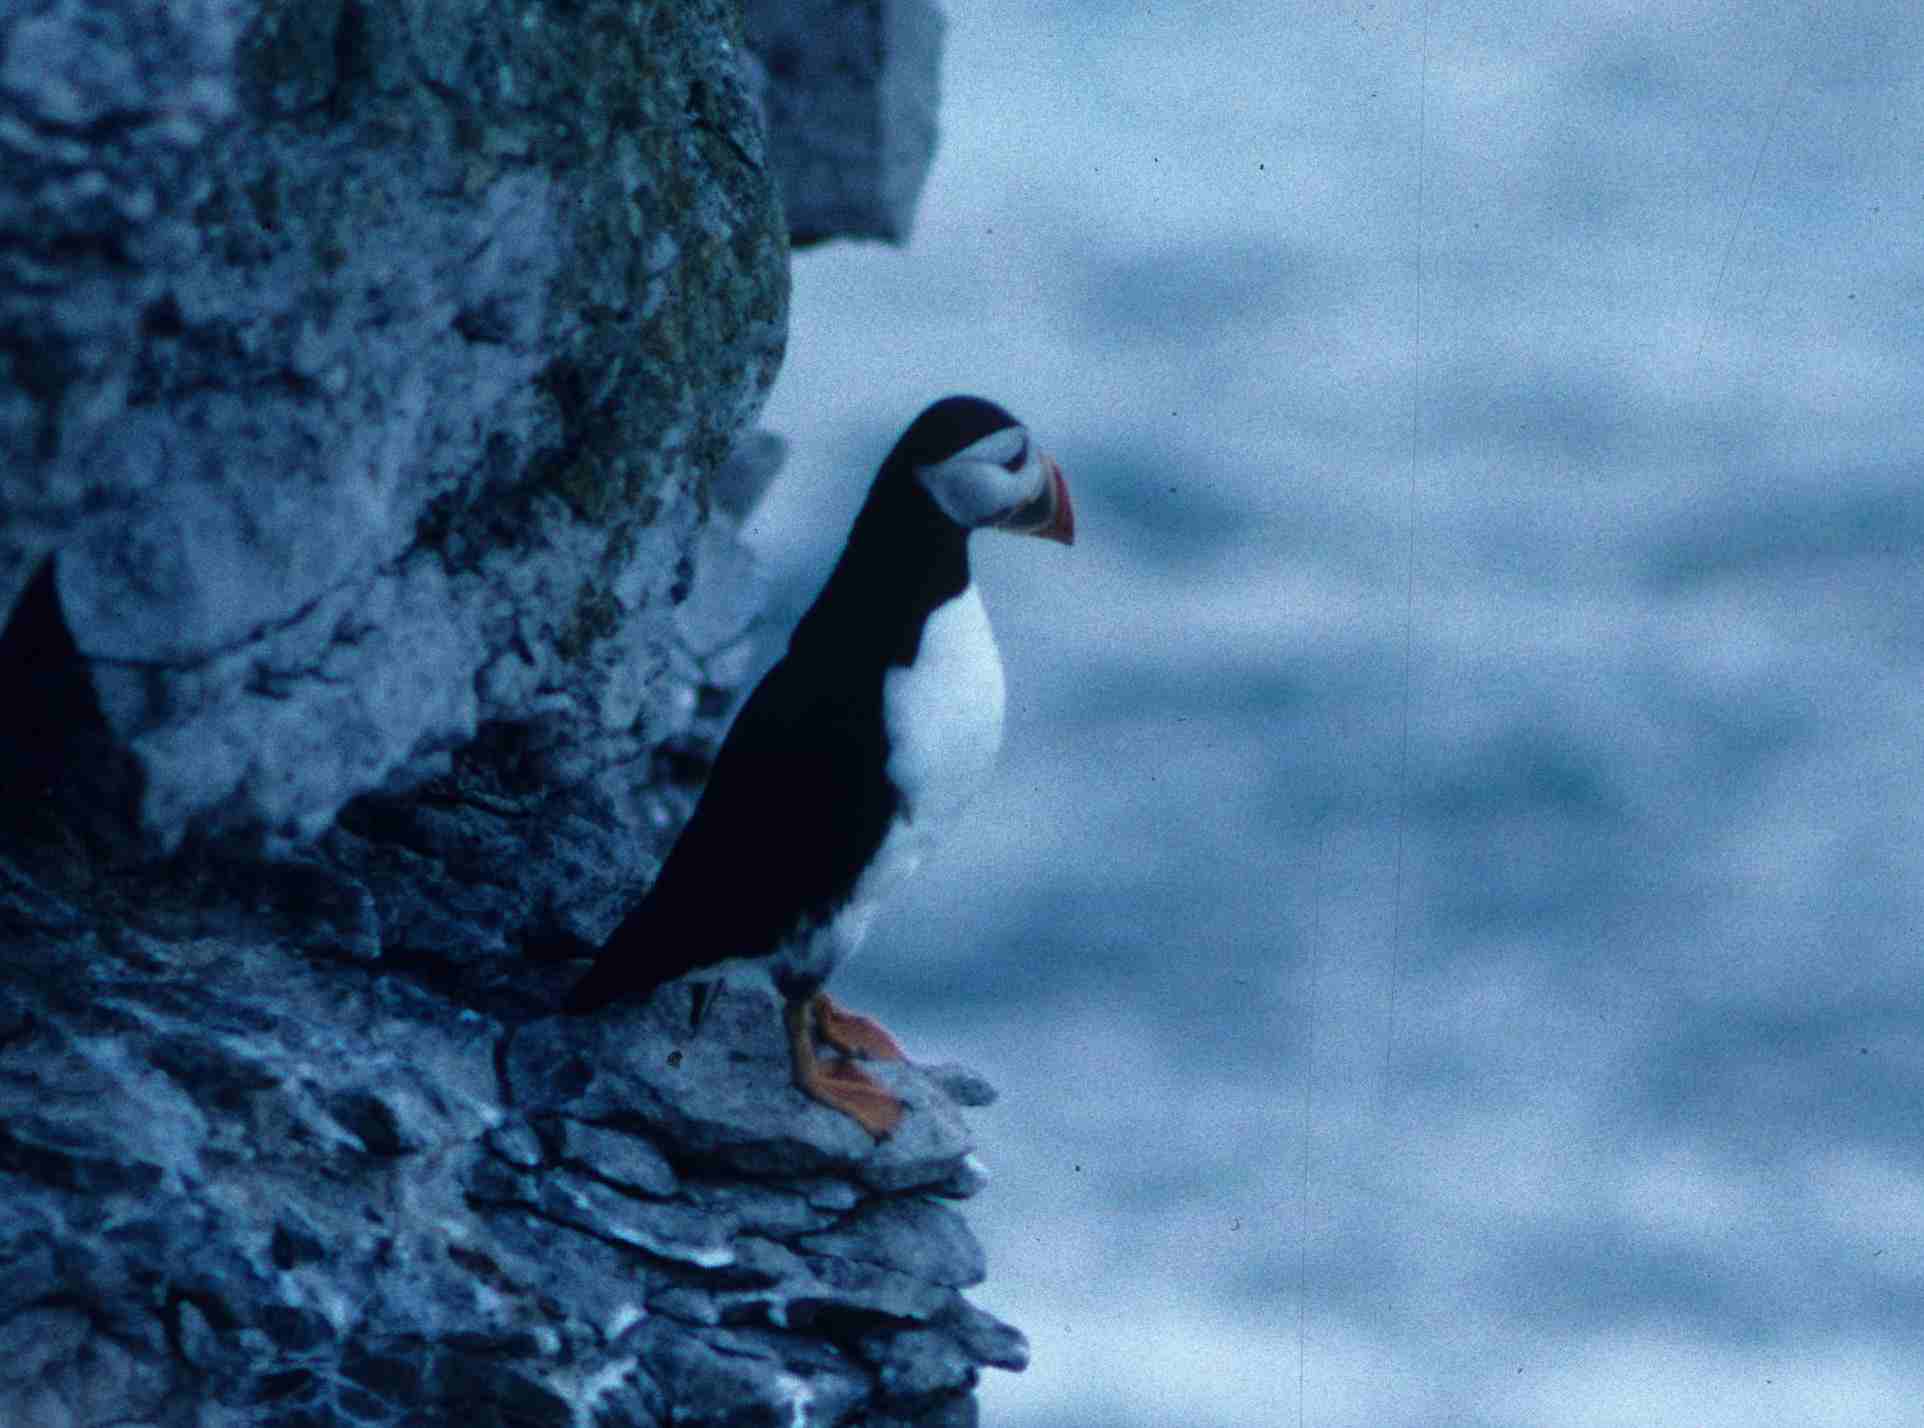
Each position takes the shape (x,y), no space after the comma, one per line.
(1049,515)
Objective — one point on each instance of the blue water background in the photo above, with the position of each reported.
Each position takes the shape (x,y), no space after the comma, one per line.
(1446,927)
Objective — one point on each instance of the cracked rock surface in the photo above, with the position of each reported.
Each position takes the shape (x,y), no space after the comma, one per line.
(248,1188)
(361,370)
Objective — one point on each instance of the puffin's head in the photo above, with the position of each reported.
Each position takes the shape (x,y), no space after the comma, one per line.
(980,468)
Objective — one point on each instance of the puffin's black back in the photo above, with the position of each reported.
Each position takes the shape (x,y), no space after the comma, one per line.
(799,799)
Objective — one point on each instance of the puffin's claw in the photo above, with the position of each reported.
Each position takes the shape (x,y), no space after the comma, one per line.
(853,1033)
(852,1091)
(841,1085)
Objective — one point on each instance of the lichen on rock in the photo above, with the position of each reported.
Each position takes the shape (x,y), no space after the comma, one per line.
(417,360)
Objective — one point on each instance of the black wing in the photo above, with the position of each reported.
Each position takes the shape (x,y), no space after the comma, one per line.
(798,802)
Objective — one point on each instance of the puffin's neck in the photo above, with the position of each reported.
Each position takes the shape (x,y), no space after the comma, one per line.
(903,560)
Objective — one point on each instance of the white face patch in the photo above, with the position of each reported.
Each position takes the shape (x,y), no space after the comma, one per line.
(975,486)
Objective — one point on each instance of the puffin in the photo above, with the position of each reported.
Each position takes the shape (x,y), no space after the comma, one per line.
(863,742)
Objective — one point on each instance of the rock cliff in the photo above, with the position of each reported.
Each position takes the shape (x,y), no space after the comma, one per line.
(376,399)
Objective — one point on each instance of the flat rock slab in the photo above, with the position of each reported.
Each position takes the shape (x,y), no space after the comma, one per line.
(724,1092)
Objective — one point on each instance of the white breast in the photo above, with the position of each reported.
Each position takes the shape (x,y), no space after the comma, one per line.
(943,717)
(943,713)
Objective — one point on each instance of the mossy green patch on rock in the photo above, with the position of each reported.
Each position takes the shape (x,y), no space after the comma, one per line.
(669,304)
(460,294)
(674,288)
(597,615)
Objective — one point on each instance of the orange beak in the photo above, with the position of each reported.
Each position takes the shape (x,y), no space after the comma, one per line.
(1049,515)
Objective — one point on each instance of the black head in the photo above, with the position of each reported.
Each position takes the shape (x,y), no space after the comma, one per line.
(979,466)
(963,464)
(949,426)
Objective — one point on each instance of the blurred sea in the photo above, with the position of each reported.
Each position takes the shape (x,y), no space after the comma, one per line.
(1446,926)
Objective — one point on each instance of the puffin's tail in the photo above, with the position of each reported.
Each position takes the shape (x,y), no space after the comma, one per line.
(650,947)
(615,977)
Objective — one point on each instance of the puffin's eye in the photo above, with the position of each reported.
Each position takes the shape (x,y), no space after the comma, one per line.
(1020,459)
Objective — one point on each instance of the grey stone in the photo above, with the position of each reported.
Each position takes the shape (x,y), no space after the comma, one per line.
(199,1345)
(26,906)
(516,1143)
(309,307)
(831,1194)
(753,463)
(516,1393)
(724,598)
(851,100)
(961,1085)
(987,1339)
(725,1092)
(919,1237)
(846,1293)
(34,1340)
(382,1123)
(626,1160)
(709,1379)
(673,1232)
(695,1306)
(953,1411)
(761,1209)
(918,1363)
(971,1177)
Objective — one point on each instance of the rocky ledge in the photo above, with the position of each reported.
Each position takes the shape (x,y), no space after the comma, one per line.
(244,1187)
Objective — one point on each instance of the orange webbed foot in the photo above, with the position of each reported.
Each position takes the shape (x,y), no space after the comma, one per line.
(841,1085)
(853,1033)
